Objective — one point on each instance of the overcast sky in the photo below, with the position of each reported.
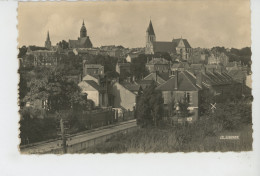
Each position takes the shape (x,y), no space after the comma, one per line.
(205,23)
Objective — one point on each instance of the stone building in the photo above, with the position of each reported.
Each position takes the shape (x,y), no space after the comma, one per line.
(83,41)
(178,46)
(92,69)
(123,68)
(158,64)
(42,57)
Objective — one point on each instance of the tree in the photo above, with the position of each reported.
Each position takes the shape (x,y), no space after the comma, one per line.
(22,51)
(149,109)
(183,107)
(56,89)
(63,44)
(138,68)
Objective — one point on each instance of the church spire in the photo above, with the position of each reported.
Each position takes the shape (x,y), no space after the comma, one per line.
(48,41)
(48,36)
(150,30)
(83,30)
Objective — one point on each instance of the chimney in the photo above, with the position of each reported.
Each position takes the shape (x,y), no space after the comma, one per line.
(129,79)
(199,79)
(99,81)
(133,78)
(156,75)
(84,71)
(176,80)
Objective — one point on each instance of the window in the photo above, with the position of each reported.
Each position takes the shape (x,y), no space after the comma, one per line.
(188,97)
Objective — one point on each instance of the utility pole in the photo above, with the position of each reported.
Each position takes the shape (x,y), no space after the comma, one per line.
(63,137)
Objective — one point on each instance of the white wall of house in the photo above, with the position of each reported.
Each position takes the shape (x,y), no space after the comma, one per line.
(123,98)
(93,94)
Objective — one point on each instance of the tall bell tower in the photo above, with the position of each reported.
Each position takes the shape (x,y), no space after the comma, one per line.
(83,31)
(150,38)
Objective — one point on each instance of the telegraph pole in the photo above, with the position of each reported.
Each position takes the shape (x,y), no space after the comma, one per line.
(63,137)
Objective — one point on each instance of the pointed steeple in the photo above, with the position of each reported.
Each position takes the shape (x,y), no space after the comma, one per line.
(150,30)
(83,30)
(48,36)
(48,41)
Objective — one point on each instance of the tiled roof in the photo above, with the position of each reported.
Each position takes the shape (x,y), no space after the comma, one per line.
(80,43)
(158,61)
(216,78)
(164,76)
(145,83)
(95,85)
(93,66)
(186,82)
(164,47)
(179,65)
(233,64)
(196,66)
(133,87)
(185,41)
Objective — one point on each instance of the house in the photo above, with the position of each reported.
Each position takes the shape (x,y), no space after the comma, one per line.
(218,58)
(131,56)
(92,69)
(158,77)
(90,77)
(42,57)
(123,68)
(196,68)
(158,64)
(198,56)
(239,75)
(220,84)
(124,95)
(182,85)
(95,92)
(180,66)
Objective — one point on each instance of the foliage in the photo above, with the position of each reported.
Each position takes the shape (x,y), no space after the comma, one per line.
(240,55)
(34,48)
(149,107)
(164,55)
(35,129)
(54,87)
(108,62)
(63,44)
(183,107)
(22,51)
(138,68)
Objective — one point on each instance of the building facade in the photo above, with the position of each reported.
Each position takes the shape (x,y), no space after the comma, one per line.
(176,46)
(83,41)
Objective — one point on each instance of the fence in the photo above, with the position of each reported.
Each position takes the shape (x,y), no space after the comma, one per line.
(83,145)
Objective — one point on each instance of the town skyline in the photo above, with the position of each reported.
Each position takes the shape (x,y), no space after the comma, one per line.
(122,27)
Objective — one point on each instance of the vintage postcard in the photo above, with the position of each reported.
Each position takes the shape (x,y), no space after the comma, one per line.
(135,76)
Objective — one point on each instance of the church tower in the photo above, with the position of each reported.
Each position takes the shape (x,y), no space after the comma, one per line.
(83,31)
(48,42)
(150,38)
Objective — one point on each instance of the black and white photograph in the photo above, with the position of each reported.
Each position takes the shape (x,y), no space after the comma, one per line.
(134,77)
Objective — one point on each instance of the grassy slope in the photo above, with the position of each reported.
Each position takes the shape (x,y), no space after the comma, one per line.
(175,139)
